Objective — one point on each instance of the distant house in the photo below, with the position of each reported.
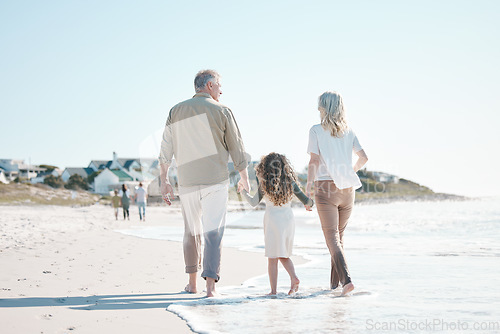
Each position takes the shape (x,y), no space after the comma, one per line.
(10,168)
(141,169)
(29,171)
(141,176)
(108,180)
(133,170)
(128,164)
(3,178)
(385,178)
(41,176)
(82,171)
(99,165)
(17,168)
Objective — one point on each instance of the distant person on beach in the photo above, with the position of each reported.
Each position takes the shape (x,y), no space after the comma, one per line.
(125,201)
(115,200)
(140,199)
(277,185)
(202,133)
(331,144)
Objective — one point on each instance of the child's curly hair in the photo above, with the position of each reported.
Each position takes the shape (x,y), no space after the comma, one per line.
(275,174)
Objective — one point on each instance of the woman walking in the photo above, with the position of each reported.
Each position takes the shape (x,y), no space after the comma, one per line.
(331,144)
(125,201)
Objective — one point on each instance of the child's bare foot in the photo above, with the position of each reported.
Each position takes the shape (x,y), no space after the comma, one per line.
(347,288)
(190,289)
(294,286)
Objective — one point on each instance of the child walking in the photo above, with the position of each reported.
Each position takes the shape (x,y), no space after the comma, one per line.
(125,201)
(277,185)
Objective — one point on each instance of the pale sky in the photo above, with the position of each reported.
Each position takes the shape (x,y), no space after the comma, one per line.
(81,79)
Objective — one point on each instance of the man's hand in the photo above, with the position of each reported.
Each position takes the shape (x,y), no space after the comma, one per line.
(244,184)
(166,190)
(240,188)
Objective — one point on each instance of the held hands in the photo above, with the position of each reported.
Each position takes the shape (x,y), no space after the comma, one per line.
(243,184)
(166,191)
(310,194)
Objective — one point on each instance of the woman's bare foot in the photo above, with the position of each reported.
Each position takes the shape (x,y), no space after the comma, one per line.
(272,293)
(190,289)
(347,288)
(294,287)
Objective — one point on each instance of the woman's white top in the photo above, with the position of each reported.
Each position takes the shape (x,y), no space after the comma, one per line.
(335,156)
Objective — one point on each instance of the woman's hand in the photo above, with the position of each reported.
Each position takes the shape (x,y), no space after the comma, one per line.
(311,173)
(362,160)
(309,192)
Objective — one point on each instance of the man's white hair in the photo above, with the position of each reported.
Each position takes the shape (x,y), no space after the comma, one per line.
(203,77)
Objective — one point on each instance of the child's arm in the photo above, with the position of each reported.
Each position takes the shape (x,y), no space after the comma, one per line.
(253,200)
(301,196)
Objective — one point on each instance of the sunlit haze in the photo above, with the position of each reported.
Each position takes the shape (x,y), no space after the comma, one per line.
(81,79)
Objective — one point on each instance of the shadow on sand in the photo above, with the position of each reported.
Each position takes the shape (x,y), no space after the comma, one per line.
(150,301)
(103,302)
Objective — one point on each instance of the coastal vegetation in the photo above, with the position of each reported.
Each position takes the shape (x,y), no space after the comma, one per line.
(404,190)
(42,194)
(76,182)
(54,181)
(376,187)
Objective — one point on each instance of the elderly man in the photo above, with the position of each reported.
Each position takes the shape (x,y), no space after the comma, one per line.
(201,133)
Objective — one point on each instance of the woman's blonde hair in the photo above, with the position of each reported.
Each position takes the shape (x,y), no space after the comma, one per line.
(276,177)
(331,107)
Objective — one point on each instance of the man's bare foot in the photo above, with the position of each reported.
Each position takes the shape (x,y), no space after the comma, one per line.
(190,289)
(294,287)
(212,293)
(347,288)
(211,287)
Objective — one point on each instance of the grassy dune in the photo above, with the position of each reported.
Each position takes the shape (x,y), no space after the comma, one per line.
(40,194)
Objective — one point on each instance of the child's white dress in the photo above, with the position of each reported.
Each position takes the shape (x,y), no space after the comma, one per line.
(279,223)
(279,229)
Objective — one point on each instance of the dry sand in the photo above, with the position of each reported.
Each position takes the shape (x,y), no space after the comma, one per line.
(65,270)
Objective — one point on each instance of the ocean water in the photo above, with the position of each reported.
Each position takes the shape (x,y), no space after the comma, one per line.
(417,267)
